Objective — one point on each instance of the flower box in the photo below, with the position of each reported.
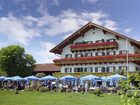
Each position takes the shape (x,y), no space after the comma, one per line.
(94,46)
(99,59)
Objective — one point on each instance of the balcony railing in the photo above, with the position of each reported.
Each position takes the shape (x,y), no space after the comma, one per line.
(94,46)
(99,59)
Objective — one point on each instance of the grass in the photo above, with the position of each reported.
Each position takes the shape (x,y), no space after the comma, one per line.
(38,98)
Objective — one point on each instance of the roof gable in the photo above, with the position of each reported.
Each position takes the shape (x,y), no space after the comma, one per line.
(58,49)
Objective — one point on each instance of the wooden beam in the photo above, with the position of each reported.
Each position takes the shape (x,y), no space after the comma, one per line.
(132,43)
(104,31)
(93,27)
(117,37)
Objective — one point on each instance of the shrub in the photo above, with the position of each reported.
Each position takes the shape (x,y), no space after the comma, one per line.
(129,93)
(39,75)
(119,92)
(79,74)
(2,73)
(136,93)
(97,92)
(43,89)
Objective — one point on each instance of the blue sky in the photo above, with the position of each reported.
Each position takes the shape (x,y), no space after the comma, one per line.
(39,25)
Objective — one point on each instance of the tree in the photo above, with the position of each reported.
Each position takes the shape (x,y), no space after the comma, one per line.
(39,75)
(15,61)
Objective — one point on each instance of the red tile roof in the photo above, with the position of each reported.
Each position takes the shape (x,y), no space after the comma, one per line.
(50,67)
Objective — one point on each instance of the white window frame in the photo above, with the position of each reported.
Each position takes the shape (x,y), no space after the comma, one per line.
(68,70)
(79,55)
(89,69)
(111,53)
(123,67)
(123,52)
(88,54)
(100,53)
(99,69)
(111,69)
(111,40)
(68,56)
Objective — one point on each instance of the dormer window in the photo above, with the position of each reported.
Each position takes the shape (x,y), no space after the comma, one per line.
(111,40)
(68,56)
(100,41)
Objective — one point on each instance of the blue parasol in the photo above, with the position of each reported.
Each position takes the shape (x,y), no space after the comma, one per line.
(49,77)
(67,78)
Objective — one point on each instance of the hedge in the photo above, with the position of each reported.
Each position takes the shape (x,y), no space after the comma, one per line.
(79,74)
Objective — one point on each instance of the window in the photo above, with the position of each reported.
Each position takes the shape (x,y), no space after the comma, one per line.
(78,43)
(88,69)
(96,69)
(68,56)
(88,42)
(79,55)
(111,40)
(100,41)
(99,69)
(68,70)
(103,69)
(123,52)
(88,54)
(100,54)
(78,69)
(110,69)
(122,67)
(111,53)
(137,68)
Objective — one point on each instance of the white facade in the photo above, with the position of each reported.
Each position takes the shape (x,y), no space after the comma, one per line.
(94,35)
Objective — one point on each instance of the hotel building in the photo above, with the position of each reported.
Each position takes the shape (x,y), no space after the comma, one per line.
(94,48)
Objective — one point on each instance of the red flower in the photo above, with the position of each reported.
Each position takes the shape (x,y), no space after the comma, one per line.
(93,45)
(96,59)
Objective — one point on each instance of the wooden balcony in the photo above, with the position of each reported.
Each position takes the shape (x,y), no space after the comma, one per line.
(99,59)
(94,46)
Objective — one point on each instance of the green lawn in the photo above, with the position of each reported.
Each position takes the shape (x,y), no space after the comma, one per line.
(38,98)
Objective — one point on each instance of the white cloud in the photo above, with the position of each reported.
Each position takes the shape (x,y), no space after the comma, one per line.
(111,24)
(90,1)
(128,30)
(56,2)
(69,21)
(1,7)
(42,7)
(26,28)
(16,29)
(3,44)
(44,53)
(65,36)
